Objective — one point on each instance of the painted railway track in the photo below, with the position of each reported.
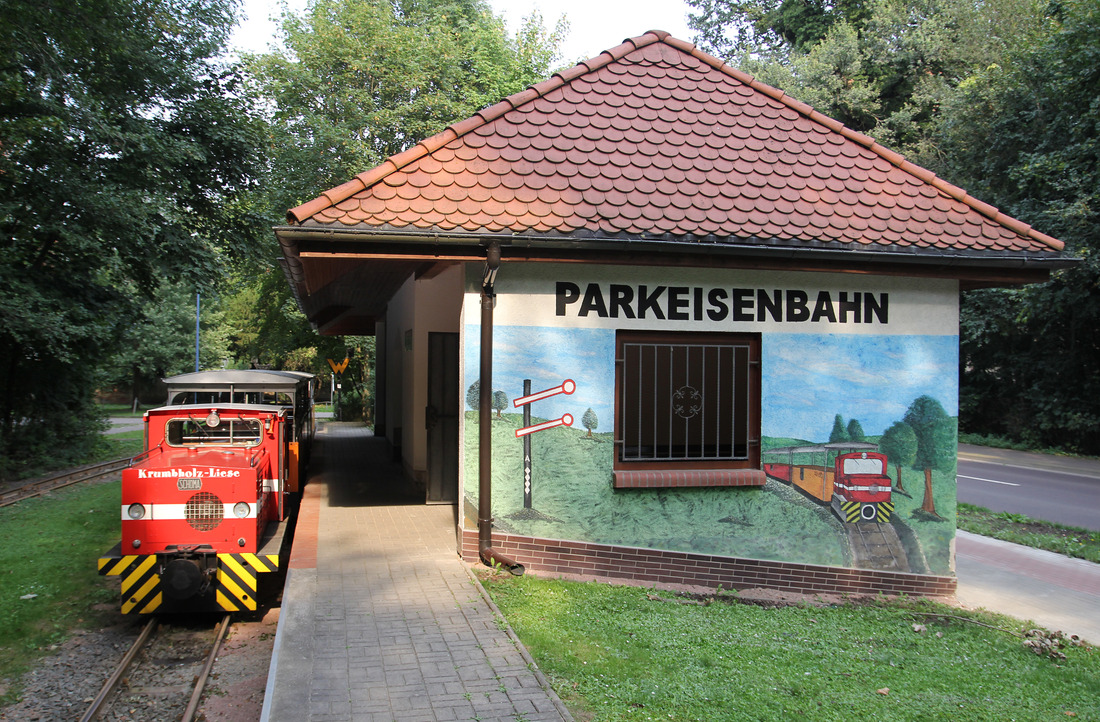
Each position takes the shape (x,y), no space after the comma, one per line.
(167,668)
(876,545)
(62,479)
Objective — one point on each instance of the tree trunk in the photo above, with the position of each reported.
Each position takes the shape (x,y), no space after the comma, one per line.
(900,487)
(929,504)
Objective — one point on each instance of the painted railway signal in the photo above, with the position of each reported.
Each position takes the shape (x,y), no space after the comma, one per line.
(567,387)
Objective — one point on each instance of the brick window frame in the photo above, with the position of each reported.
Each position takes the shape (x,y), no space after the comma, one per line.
(687,409)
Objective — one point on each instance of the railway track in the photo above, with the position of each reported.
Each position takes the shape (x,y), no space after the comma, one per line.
(170,662)
(61,479)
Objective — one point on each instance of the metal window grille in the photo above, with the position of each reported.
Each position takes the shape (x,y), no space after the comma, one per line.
(684,401)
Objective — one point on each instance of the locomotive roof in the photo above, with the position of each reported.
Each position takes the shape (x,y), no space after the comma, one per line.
(238,379)
(181,409)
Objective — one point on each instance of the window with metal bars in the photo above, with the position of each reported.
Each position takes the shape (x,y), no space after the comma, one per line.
(687,399)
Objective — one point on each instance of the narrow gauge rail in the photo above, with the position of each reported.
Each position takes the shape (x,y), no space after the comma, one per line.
(61,479)
(144,643)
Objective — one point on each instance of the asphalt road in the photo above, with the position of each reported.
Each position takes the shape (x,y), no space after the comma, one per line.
(1051,488)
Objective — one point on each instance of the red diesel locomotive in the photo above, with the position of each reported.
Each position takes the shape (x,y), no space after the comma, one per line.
(206,506)
(855,485)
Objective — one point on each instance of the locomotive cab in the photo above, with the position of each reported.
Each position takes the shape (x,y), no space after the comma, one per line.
(204,508)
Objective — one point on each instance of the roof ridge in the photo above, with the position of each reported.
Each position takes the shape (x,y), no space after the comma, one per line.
(485,116)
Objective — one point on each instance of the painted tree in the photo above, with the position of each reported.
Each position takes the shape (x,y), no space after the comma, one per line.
(473,395)
(855,431)
(936,435)
(899,443)
(590,422)
(499,402)
(839,432)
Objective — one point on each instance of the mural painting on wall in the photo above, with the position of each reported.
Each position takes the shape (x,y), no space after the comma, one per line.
(857,438)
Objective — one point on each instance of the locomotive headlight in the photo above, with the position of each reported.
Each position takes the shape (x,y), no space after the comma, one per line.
(240,509)
(213,420)
(136,511)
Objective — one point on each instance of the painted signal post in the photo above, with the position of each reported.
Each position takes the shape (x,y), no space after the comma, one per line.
(567,387)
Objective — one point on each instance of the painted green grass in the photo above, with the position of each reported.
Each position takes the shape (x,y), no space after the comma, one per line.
(612,653)
(48,579)
(573,499)
(1021,529)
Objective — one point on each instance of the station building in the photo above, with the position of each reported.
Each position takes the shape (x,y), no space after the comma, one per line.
(652,319)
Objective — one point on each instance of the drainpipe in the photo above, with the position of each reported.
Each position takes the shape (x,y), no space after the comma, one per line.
(487,554)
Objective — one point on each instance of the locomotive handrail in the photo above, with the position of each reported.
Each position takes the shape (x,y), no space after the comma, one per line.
(146,453)
(254,459)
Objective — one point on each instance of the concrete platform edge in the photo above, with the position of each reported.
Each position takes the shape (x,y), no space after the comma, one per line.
(298,589)
(531,664)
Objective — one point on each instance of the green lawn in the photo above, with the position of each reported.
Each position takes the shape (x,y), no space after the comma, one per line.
(48,551)
(614,653)
(1020,529)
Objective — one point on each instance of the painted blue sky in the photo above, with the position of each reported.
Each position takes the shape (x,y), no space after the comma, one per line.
(549,356)
(809,379)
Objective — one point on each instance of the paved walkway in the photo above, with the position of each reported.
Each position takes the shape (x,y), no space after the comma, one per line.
(1049,589)
(380,619)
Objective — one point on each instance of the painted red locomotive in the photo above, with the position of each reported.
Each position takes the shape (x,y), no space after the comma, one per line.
(206,506)
(855,485)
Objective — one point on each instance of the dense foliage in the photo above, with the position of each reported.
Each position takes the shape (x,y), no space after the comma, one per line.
(139,170)
(123,149)
(1000,98)
(1031,144)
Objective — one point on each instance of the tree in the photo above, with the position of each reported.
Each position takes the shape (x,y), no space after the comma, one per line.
(361,80)
(839,432)
(899,443)
(1026,138)
(473,395)
(161,342)
(936,437)
(499,402)
(734,27)
(127,154)
(855,431)
(884,68)
(590,422)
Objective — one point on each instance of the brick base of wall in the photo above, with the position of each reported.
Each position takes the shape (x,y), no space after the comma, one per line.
(651,566)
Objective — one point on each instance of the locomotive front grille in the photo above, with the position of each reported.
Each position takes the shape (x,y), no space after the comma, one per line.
(204,511)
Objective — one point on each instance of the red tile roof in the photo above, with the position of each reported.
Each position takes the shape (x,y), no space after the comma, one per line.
(655,138)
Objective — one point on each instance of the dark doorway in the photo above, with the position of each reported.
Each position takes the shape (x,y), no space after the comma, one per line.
(441,418)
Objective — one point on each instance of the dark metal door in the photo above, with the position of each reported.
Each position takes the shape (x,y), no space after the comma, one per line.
(441,418)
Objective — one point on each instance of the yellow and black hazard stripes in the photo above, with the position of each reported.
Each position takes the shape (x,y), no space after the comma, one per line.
(234,589)
(854,511)
(140,581)
(236,581)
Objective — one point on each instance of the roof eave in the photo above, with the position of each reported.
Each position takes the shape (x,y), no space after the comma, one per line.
(299,241)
